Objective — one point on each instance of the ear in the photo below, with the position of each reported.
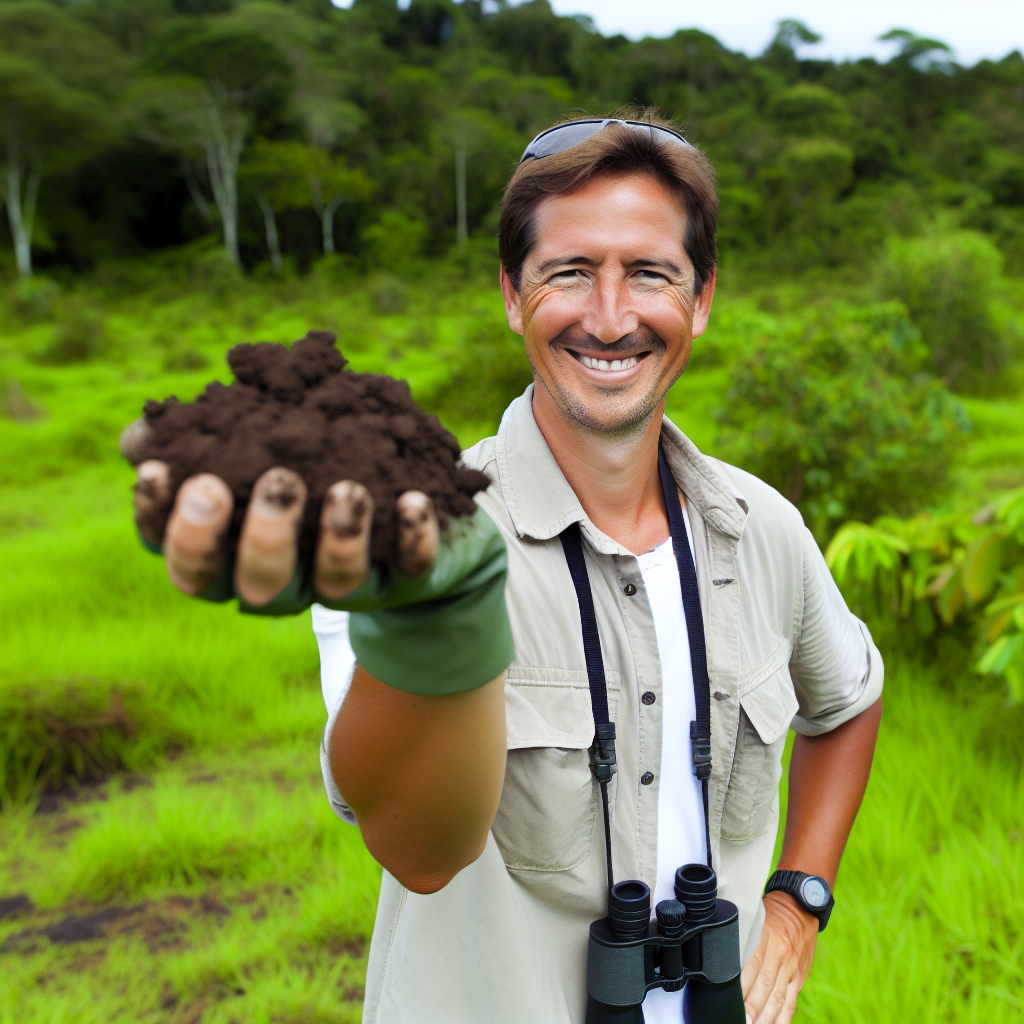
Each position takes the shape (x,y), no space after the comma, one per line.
(511,297)
(702,307)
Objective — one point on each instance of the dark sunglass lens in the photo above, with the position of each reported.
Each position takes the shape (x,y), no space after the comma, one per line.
(558,140)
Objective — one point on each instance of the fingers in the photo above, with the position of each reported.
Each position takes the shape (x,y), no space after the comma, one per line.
(772,978)
(267,547)
(152,494)
(780,1006)
(418,533)
(134,440)
(752,967)
(192,543)
(343,549)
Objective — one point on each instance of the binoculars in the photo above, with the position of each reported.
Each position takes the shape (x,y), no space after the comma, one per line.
(693,942)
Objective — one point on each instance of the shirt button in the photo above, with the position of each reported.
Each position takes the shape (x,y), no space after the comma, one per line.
(649,697)
(629,590)
(647,778)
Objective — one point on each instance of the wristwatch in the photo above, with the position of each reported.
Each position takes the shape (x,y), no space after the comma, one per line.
(810,891)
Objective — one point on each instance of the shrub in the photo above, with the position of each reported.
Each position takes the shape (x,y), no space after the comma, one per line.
(837,414)
(395,241)
(80,335)
(946,282)
(489,371)
(961,574)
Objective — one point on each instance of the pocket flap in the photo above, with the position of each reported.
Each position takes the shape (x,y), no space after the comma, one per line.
(550,707)
(771,704)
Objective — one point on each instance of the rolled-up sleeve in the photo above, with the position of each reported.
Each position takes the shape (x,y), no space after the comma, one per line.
(337,664)
(836,669)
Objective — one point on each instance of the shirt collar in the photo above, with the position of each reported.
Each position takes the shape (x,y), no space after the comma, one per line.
(542,504)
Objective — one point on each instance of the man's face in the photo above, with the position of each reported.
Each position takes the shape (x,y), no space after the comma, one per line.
(606,303)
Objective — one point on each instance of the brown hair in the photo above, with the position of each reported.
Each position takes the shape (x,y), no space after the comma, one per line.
(684,170)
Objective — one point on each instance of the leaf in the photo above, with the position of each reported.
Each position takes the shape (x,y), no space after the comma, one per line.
(983,561)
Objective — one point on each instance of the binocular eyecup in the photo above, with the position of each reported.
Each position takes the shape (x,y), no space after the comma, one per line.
(692,944)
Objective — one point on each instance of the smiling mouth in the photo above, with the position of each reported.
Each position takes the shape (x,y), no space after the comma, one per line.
(608,365)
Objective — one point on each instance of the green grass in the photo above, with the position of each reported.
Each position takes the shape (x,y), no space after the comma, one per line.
(185,736)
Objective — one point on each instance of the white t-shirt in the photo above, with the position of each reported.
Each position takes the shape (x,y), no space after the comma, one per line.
(680,803)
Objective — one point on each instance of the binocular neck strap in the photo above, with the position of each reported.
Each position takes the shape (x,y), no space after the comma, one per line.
(602,751)
(700,729)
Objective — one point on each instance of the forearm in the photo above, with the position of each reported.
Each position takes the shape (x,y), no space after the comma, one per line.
(827,778)
(422,774)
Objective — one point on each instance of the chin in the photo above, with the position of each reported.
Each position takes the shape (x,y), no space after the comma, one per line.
(609,414)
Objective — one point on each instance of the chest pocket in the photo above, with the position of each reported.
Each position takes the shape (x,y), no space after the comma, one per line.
(767,706)
(549,803)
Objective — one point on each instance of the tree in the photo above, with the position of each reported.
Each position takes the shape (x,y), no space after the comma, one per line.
(331,182)
(55,74)
(276,173)
(215,82)
(44,126)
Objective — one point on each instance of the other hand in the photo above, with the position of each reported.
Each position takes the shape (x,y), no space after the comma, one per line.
(267,553)
(774,975)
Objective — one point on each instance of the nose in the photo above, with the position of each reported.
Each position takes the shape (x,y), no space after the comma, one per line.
(610,311)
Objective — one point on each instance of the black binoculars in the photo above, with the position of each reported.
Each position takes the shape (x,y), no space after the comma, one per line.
(694,942)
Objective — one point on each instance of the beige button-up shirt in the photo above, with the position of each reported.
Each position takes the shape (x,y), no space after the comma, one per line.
(505,942)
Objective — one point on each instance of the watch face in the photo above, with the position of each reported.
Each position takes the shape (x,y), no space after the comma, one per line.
(814,892)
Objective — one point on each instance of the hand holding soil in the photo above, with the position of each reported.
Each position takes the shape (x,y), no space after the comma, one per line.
(296,460)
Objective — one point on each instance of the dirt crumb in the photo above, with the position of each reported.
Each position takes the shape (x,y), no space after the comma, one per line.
(301,409)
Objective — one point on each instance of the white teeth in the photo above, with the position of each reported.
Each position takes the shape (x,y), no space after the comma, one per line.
(603,364)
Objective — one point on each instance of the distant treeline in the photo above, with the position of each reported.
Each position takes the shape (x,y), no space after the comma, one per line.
(291,129)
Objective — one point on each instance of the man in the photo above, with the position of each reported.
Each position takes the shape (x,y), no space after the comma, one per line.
(472,786)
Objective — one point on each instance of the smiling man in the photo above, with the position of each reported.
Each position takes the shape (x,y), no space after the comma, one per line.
(473,787)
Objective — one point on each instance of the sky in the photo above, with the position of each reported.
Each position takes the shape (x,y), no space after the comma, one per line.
(975,29)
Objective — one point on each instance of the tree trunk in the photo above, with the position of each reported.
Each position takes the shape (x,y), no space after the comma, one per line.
(461,227)
(223,147)
(327,222)
(270,224)
(21,209)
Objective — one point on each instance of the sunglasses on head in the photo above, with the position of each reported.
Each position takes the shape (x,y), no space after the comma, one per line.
(572,133)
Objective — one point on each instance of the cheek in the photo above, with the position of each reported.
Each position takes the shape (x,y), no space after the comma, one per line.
(548,311)
(670,315)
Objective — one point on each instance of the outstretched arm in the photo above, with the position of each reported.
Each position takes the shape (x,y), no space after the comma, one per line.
(422,774)
(423,771)
(827,778)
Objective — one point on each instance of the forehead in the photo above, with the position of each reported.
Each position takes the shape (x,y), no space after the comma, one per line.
(611,213)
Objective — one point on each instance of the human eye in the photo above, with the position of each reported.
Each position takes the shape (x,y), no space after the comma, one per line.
(568,276)
(648,276)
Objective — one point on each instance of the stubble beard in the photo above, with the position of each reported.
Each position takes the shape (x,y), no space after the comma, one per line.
(636,415)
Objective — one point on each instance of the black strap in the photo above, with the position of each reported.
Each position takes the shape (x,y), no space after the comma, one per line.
(700,730)
(602,751)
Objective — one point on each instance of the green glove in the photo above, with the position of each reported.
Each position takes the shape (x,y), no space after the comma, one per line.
(445,631)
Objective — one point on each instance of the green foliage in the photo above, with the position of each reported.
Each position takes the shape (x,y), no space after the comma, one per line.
(489,370)
(832,411)
(914,578)
(395,241)
(818,161)
(78,337)
(231,891)
(946,282)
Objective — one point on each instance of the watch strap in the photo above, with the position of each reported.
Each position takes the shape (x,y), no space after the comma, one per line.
(790,882)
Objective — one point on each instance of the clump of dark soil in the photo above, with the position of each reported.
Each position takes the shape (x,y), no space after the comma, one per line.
(301,409)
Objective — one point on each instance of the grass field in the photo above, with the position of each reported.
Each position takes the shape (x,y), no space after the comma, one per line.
(196,872)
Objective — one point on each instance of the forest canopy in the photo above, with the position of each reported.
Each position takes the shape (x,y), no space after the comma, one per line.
(288,130)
